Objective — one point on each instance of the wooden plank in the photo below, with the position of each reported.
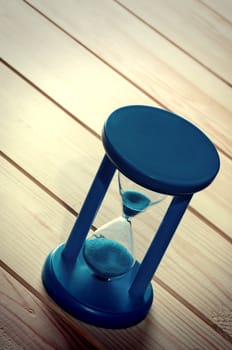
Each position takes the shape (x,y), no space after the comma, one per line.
(66,71)
(223,7)
(138,52)
(54,152)
(26,323)
(35,221)
(65,158)
(215,203)
(193,27)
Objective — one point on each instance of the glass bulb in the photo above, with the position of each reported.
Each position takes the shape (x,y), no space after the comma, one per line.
(110,250)
(135,198)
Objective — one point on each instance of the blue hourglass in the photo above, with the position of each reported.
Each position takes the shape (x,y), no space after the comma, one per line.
(97,279)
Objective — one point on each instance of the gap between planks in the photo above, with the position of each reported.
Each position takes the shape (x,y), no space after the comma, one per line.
(94,133)
(215,11)
(97,56)
(117,71)
(74,212)
(168,289)
(184,89)
(65,334)
(173,42)
(179,47)
(71,115)
(85,333)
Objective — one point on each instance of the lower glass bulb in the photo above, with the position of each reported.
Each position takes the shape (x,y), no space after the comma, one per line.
(109,252)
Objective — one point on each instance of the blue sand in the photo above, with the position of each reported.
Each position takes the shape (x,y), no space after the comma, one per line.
(107,258)
(134,202)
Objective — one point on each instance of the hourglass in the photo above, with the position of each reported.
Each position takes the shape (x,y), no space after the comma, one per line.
(98,279)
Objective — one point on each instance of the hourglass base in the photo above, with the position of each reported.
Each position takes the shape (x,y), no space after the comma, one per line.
(103,303)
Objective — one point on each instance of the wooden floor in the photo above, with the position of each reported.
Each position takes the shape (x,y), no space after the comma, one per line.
(65,66)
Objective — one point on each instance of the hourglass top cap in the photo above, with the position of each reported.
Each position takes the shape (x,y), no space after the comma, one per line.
(160,150)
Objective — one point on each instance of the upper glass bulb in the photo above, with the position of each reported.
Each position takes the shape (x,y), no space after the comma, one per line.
(135,198)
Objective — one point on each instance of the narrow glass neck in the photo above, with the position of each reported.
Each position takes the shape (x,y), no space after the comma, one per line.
(126,217)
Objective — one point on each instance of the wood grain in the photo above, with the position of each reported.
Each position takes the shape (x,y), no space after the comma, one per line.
(194,28)
(66,167)
(38,221)
(68,156)
(140,54)
(71,75)
(26,323)
(223,7)
(63,70)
